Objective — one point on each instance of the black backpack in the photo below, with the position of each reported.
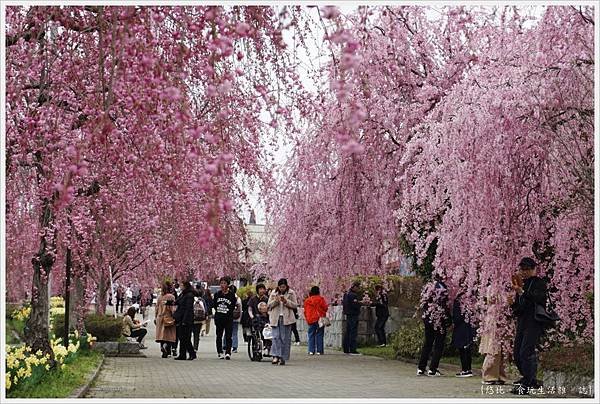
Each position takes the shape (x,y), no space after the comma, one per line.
(199,310)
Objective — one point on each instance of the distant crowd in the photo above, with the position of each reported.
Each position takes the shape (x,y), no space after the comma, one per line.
(268,321)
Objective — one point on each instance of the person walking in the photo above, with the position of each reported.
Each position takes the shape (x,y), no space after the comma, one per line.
(530,291)
(208,299)
(235,326)
(351,308)
(129,295)
(295,328)
(163,318)
(120,299)
(200,312)
(463,336)
(281,303)
(184,318)
(436,319)
(246,321)
(224,304)
(315,307)
(133,328)
(382,313)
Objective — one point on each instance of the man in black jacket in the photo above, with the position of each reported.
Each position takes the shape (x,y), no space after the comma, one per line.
(531,290)
(224,302)
(351,307)
(184,318)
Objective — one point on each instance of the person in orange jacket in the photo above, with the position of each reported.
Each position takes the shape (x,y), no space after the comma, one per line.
(315,307)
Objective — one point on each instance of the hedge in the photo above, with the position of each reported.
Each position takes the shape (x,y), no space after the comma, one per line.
(408,341)
(103,327)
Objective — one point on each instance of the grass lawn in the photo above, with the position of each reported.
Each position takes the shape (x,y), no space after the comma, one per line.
(387,352)
(59,383)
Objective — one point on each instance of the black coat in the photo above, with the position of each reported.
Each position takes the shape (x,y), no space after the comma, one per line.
(534,291)
(463,333)
(381,305)
(184,315)
(350,303)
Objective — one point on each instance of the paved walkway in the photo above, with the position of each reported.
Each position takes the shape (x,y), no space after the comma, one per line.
(333,375)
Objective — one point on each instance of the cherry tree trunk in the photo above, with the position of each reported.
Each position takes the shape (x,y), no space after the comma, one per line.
(36,328)
(101,295)
(76,311)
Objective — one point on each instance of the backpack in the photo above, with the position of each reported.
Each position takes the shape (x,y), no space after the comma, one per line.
(237,312)
(199,310)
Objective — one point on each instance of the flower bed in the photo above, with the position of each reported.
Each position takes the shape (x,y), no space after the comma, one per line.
(25,368)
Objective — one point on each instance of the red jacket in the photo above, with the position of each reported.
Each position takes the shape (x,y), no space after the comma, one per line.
(315,307)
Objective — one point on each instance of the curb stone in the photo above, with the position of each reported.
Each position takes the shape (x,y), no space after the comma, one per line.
(82,391)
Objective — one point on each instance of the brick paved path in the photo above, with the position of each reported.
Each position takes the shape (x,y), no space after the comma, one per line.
(333,375)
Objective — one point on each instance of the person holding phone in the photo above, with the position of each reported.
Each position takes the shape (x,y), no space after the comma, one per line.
(281,305)
(530,290)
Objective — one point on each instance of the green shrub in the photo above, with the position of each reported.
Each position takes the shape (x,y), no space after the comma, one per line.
(242,292)
(103,327)
(408,340)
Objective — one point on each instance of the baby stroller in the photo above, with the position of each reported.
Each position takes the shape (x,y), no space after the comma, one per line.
(259,342)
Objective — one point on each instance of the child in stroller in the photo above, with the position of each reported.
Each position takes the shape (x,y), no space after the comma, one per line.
(261,346)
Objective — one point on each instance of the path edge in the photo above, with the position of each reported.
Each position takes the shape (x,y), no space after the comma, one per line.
(82,391)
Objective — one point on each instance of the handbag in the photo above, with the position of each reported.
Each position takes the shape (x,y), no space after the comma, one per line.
(324,322)
(267,332)
(542,315)
(237,313)
(545,316)
(167,317)
(168,321)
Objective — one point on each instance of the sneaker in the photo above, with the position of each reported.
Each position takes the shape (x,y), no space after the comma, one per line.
(281,362)
(465,373)
(311,353)
(518,382)
(382,345)
(434,373)
(142,346)
(227,356)
(355,353)
(488,382)
(420,372)
(234,350)
(319,353)
(221,356)
(297,343)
